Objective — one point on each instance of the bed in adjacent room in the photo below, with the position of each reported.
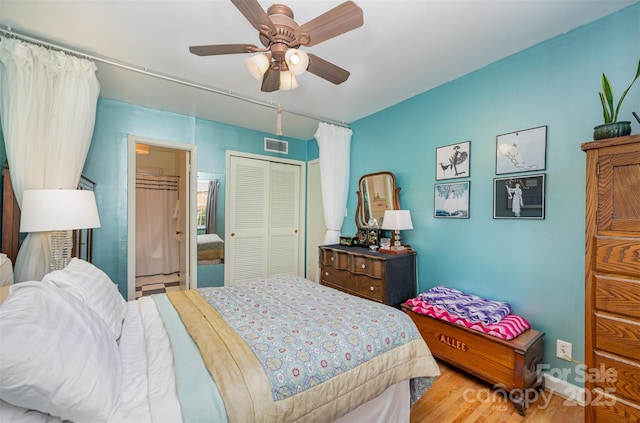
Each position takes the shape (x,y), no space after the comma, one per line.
(210,249)
(270,350)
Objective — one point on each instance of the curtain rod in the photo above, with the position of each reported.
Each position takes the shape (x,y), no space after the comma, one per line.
(9,33)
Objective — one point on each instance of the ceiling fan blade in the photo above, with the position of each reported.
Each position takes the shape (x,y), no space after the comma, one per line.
(211,50)
(256,15)
(327,70)
(340,19)
(271,79)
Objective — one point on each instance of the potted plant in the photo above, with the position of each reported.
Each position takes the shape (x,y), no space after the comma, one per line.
(611,127)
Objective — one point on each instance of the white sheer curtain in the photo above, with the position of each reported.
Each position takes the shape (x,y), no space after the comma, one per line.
(157,247)
(334,144)
(47,106)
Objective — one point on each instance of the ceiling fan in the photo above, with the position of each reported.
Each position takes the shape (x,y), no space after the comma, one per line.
(280,60)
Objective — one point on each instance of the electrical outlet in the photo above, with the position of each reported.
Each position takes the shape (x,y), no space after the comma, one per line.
(563,350)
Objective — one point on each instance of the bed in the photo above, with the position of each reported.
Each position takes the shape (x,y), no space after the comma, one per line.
(210,249)
(270,350)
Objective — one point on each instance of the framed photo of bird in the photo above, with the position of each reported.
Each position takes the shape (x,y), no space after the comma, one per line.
(453,161)
(522,151)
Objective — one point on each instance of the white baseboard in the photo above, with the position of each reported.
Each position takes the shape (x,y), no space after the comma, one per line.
(565,389)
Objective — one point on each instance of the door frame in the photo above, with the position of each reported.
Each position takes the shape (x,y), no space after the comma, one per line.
(302,206)
(316,227)
(190,245)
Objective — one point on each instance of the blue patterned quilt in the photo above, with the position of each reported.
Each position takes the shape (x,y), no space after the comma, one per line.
(304,333)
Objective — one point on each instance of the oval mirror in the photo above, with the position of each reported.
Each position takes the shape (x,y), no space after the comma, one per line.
(377,192)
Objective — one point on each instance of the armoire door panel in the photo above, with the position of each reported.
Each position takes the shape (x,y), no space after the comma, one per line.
(619,192)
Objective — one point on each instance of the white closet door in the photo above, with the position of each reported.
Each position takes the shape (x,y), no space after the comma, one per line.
(248,220)
(263,219)
(284,219)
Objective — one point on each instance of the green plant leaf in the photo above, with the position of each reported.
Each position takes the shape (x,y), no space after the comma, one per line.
(608,95)
(605,112)
(624,94)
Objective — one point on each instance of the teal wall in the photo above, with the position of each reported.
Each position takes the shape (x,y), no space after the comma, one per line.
(107,166)
(536,265)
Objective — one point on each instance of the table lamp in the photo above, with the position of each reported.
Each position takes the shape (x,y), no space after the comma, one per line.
(58,211)
(397,220)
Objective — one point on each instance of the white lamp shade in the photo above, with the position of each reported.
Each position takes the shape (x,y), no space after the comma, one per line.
(45,210)
(397,220)
(297,61)
(257,65)
(287,81)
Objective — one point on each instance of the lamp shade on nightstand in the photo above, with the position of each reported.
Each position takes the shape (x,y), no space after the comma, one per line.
(397,220)
(46,210)
(58,211)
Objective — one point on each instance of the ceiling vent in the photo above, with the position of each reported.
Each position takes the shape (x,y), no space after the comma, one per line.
(276,146)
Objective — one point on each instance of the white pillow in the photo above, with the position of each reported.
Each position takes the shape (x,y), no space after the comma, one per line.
(57,356)
(91,285)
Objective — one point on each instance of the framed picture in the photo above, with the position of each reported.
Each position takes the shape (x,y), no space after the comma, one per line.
(522,151)
(452,161)
(451,200)
(519,197)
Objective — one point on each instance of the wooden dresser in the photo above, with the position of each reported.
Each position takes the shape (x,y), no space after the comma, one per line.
(385,278)
(612,276)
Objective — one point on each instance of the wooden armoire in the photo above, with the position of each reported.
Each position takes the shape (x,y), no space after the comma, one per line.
(612,276)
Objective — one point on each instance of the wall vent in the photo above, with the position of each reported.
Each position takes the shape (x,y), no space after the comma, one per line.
(276,146)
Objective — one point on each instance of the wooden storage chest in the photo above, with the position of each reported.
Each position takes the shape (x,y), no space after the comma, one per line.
(512,366)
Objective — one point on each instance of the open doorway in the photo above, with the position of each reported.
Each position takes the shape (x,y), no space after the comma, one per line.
(161,215)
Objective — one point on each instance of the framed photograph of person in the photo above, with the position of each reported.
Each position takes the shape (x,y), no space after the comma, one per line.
(451,200)
(453,161)
(519,197)
(522,151)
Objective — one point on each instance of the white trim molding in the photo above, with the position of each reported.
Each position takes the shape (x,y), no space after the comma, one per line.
(565,389)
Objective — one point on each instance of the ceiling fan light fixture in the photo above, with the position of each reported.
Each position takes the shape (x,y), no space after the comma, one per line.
(257,65)
(297,61)
(288,81)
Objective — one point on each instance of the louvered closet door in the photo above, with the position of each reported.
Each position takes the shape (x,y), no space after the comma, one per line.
(248,220)
(284,215)
(263,219)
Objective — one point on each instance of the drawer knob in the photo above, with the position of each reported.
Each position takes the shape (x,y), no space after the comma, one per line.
(331,258)
(364,266)
(372,288)
(326,273)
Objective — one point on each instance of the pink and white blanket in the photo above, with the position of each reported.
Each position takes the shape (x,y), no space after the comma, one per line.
(508,328)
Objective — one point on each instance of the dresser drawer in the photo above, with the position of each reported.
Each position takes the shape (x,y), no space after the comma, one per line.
(337,259)
(617,255)
(618,336)
(619,296)
(620,377)
(367,266)
(608,408)
(361,285)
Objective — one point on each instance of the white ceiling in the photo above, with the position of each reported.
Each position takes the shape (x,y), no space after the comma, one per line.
(403,48)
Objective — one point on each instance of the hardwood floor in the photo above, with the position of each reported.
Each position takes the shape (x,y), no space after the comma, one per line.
(457,397)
